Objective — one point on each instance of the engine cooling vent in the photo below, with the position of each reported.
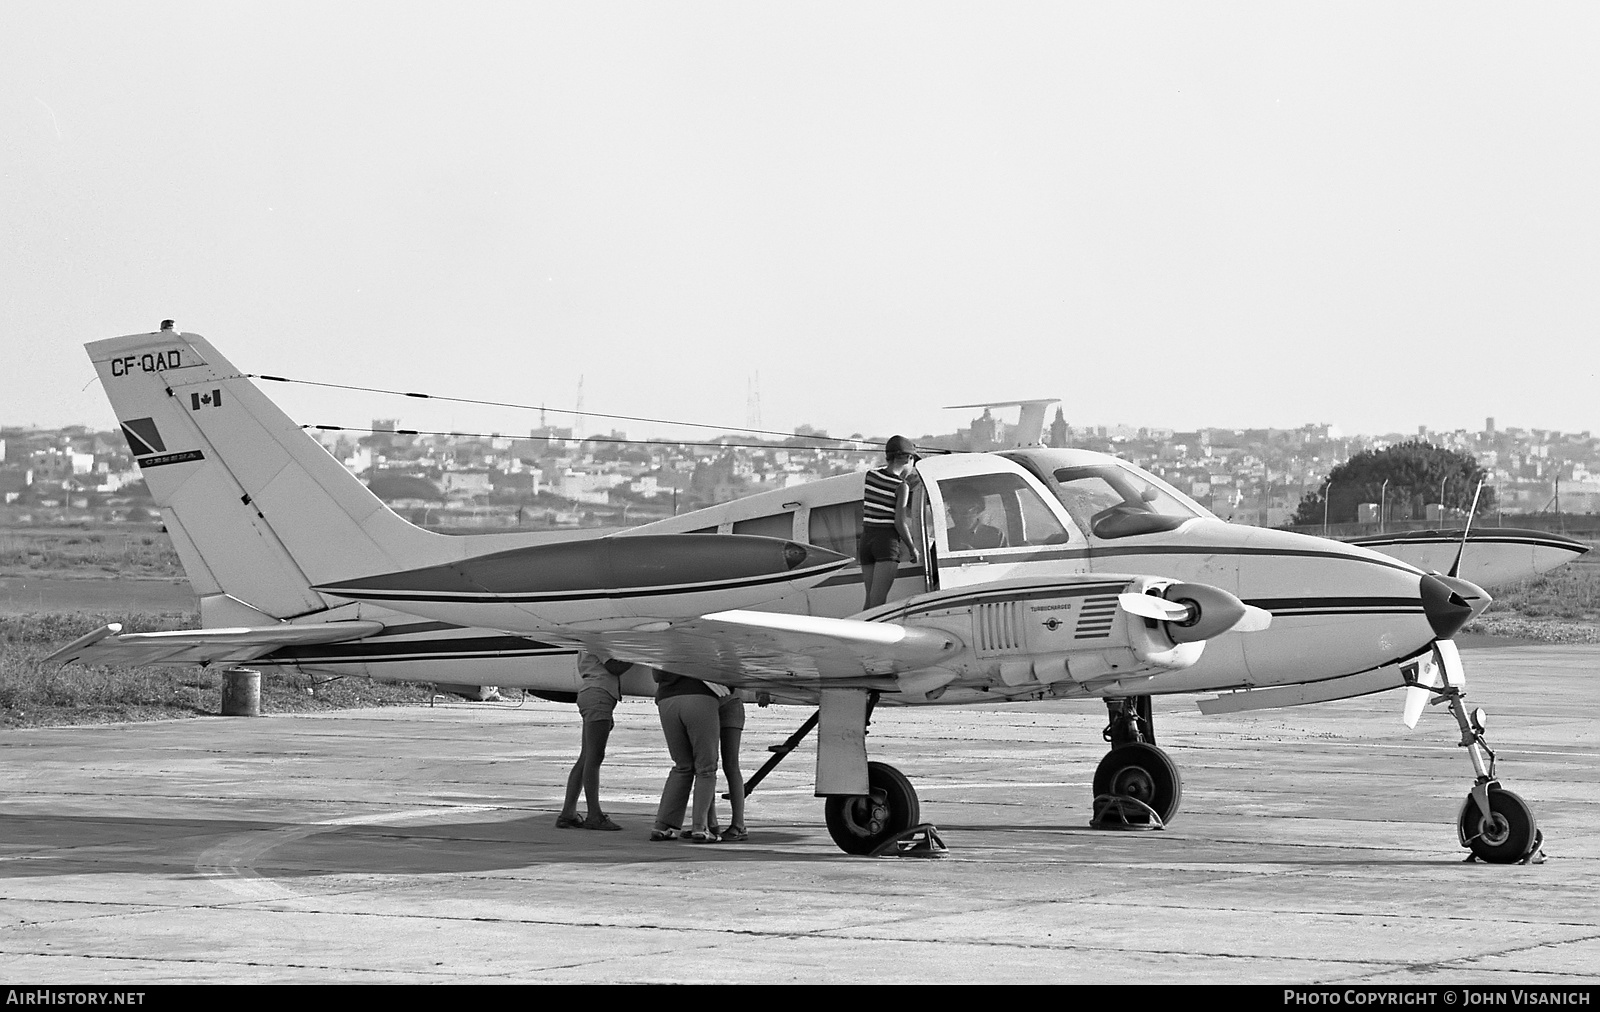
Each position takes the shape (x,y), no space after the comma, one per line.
(997,627)
(1095,618)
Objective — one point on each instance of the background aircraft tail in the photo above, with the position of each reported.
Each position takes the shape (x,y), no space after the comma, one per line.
(258,510)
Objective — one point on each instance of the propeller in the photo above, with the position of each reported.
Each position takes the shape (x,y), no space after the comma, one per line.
(1152,607)
(1442,667)
(1196,611)
(1455,567)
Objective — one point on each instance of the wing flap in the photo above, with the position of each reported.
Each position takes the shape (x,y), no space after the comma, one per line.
(110,645)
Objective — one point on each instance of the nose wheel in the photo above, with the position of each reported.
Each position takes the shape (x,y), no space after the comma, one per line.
(1496,825)
(1506,834)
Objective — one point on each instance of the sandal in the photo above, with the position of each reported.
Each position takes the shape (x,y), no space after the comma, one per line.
(658,835)
(701,836)
(600,821)
(569,822)
(735,834)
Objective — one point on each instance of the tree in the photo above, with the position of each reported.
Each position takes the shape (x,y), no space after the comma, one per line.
(1417,473)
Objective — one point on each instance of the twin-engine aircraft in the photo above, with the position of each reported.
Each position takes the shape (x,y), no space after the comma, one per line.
(1046,574)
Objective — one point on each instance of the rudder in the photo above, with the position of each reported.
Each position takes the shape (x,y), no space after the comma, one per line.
(256,508)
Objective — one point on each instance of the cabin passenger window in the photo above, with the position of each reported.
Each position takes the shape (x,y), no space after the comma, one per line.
(985,512)
(779,526)
(836,527)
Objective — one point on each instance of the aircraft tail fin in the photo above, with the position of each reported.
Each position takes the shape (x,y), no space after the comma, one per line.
(258,511)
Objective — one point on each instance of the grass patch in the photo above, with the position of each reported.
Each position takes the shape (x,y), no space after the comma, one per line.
(1561,606)
(134,550)
(1571,594)
(33,693)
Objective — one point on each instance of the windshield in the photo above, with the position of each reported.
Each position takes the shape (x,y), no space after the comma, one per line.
(1111,501)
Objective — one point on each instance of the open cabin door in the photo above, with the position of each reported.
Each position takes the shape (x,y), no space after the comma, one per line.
(923,526)
(985,518)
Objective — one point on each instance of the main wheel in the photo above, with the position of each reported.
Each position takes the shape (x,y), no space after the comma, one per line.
(1142,772)
(1507,835)
(859,824)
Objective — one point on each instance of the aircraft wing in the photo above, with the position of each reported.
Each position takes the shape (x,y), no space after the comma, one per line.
(1085,629)
(1492,556)
(766,648)
(110,645)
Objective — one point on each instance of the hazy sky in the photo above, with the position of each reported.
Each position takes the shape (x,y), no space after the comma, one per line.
(1376,215)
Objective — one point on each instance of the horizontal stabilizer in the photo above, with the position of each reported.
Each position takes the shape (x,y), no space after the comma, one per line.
(110,645)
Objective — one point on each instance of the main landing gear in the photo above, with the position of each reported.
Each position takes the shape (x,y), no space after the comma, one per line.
(1137,784)
(862,824)
(1496,825)
(885,820)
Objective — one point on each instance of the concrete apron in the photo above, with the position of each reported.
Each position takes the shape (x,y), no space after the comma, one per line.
(1314,845)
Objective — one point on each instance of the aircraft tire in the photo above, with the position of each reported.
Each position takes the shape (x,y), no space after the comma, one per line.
(1142,772)
(859,824)
(1507,836)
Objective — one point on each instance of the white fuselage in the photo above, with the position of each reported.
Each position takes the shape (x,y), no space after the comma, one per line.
(1337,609)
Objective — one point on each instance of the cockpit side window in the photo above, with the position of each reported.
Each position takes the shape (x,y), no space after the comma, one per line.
(986,512)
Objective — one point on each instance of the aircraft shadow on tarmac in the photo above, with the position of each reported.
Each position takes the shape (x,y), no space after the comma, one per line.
(46,845)
(49,845)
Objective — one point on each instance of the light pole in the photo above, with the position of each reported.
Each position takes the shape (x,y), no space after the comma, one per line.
(1383,504)
(1327,498)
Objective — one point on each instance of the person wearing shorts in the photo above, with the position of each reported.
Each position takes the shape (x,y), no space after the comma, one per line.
(884,537)
(597,698)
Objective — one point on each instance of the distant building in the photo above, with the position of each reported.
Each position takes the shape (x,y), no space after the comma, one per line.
(1059,432)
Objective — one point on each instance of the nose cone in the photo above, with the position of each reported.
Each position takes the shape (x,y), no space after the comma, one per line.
(1475,596)
(1446,607)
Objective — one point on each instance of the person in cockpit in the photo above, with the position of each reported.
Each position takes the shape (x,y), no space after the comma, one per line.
(968,532)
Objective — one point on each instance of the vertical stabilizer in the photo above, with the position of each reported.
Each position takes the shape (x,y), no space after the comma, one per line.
(257,509)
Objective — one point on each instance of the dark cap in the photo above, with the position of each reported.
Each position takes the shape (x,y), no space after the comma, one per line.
(898,445)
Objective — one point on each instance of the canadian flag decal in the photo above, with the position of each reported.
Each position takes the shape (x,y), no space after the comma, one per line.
(198,401)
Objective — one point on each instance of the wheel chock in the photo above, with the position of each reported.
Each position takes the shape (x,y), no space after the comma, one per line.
(1117,811)
(918,841)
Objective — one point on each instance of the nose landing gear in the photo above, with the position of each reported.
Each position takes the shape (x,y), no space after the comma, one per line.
(1495,824)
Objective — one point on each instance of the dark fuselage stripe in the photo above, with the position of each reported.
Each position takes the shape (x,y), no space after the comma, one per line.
(576,596)
(1376,543)
(1105,552)
(467,655)
(428,649)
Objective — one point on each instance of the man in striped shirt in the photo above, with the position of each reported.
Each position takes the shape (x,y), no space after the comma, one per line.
(885,537)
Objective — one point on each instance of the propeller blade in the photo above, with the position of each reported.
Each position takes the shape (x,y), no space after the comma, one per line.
(1417,694)
(1442,667)
(1449,655)
(1255,619)
(1152,607)
(1455,567)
